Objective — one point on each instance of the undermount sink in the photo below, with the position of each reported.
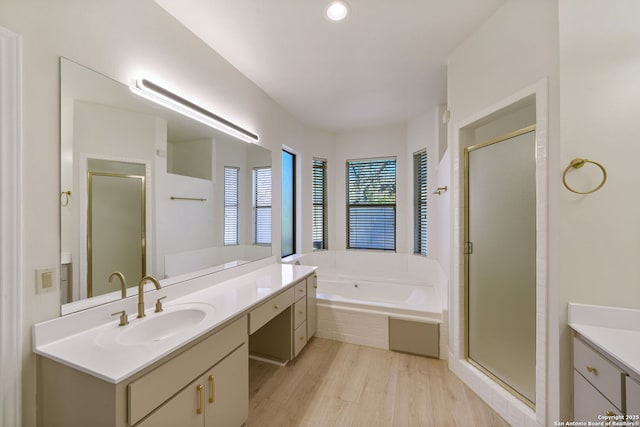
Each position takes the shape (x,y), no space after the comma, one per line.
(156,327)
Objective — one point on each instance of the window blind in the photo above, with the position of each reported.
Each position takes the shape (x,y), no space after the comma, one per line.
(319,198)
(262,205)
(371,204)
(420,202)
(231,220)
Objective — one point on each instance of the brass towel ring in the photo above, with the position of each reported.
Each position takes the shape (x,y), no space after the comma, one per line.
(577,164)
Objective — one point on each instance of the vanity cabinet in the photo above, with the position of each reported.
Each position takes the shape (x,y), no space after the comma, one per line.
(598,385)
(165,394)
(312,307)
(280,327)
(300,318)
(217,398)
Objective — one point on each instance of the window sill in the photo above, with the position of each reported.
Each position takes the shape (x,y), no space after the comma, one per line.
(291,258)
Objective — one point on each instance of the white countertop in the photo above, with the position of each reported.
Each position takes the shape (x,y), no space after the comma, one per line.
(614,331)
(90,348)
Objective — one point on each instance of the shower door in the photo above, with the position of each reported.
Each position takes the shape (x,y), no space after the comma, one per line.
(116,230)
(500,248)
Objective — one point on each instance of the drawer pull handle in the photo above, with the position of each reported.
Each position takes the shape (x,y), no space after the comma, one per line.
(301,312)
(212,389)
(593,370)
(611,414)
(300,290)
(277,307)
(200,399)
(301,338)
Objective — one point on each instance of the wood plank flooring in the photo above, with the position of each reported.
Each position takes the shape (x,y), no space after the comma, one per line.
(338,384)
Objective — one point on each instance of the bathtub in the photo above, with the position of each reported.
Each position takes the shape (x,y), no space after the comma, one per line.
(363,296)
(364,312)
(407,300)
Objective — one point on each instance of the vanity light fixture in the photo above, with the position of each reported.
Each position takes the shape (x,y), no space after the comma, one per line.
(337,10)
(160,95)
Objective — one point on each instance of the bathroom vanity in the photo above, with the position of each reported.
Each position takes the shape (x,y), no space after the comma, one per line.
(184,366)
(606,363)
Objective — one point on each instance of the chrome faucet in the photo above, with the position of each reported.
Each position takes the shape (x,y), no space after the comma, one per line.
(123,283)
(141,292)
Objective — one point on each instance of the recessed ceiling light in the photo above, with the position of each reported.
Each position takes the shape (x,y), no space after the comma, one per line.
(337,10)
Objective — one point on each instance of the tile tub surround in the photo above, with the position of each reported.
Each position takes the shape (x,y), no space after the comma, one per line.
(71,340)
(615,331)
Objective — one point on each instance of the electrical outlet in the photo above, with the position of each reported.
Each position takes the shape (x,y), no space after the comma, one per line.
(46,280)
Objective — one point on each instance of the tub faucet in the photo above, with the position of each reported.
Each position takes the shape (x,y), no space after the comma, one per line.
(123,283)
(141,292)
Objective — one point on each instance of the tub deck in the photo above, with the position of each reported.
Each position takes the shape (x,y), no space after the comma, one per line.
(404,300)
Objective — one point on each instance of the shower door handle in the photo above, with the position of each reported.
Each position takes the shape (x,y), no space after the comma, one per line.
(468,248)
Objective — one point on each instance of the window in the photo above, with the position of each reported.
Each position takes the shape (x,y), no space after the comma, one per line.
(262,205)
(371,204)
(231,221)
(288,203)
(420,202)
(319,197)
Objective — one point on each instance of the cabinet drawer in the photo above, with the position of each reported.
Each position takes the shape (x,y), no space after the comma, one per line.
(633,397)
(300,290)
(300,312)
(299,339)
(150,391)
(604,375)
(270,309)
(588,403)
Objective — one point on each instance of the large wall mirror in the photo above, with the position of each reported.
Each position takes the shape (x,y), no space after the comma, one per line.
(146,190)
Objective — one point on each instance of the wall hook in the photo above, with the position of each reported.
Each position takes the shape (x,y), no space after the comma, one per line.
(64,198)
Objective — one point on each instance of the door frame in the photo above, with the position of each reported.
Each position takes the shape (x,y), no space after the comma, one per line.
(81,281)
(11,227)
(508,406)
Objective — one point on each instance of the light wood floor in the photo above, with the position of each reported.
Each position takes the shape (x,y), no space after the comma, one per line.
(337,384)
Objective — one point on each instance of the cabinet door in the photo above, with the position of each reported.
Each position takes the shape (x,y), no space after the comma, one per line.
(588,403)
(227,391)
(633,397)
(312,310)
(181,410)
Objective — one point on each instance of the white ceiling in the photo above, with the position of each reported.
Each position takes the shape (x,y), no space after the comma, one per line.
(386,63)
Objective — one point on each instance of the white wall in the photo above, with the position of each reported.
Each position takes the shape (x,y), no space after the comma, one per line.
(442,213)
(123,40)
(423,132)
(599,107)
(192,158)
(321,145)
(514,49)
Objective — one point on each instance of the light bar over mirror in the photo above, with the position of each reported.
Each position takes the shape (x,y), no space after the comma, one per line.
(171,100)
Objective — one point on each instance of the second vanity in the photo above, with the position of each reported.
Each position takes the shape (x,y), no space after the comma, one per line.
(186,365)
(606,364)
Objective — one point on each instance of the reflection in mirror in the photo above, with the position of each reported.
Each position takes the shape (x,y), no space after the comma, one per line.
(146,190)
